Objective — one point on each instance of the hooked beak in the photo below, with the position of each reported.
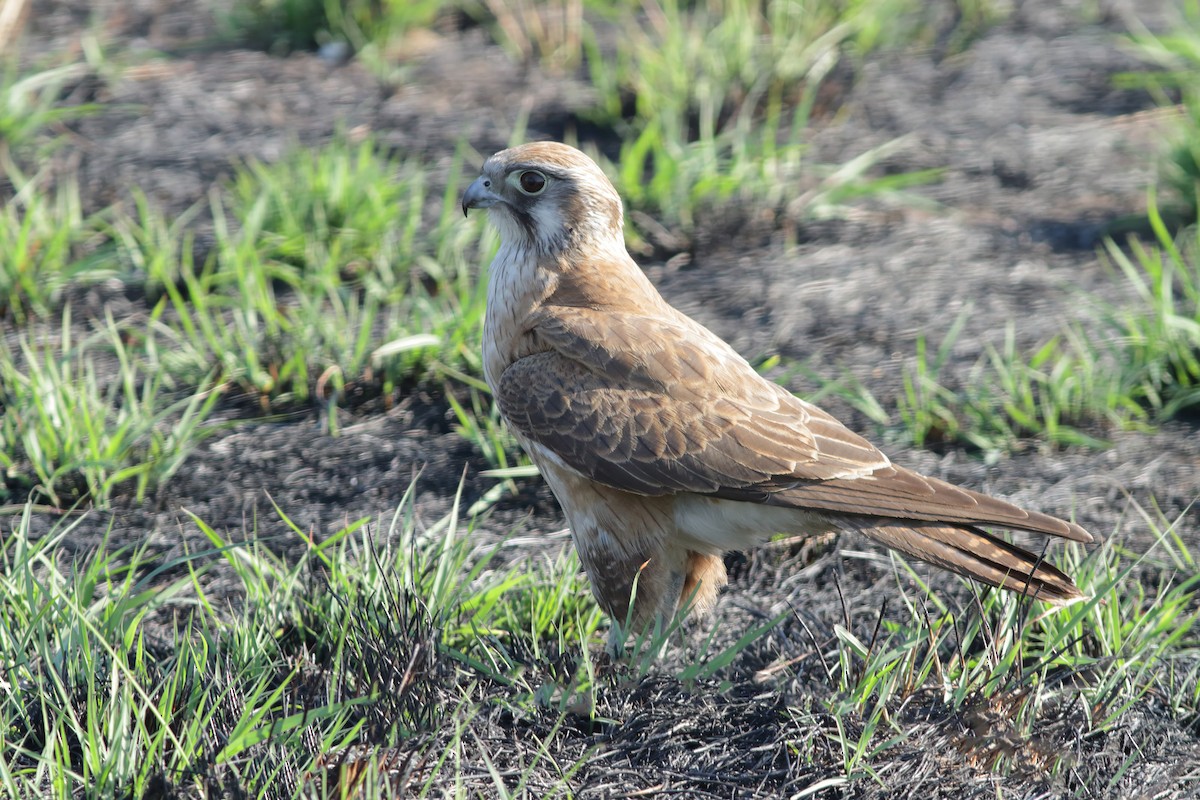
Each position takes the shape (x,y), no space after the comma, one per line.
(479,195)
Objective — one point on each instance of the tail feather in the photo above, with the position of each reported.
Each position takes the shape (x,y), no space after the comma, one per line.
(976,554)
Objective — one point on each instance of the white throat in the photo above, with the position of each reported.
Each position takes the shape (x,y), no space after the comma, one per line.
(514,286)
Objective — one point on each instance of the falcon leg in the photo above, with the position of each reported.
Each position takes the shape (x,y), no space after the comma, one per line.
(648,598)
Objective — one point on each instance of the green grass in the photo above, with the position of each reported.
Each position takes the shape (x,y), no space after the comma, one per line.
(1009,670)
(29,104)
(325,275)
(333,278)
(711,102)
(1176,54)
(1119,635)
(1062,393)
(128,672)
(721,97)
(105,706)
(1159,336)
(367,638)
(43,239)
(283,26)
(1129,364)
(71,430)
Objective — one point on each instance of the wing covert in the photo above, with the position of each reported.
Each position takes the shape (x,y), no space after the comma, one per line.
(657,406)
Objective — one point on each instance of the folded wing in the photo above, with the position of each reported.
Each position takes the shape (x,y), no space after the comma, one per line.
(659,405)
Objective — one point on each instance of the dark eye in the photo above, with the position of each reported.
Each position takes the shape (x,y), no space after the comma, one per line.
(532,181)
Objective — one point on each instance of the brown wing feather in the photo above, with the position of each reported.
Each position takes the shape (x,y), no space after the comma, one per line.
(659,405)
(647,405)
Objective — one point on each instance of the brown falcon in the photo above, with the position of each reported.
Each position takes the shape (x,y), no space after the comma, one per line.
(664,447)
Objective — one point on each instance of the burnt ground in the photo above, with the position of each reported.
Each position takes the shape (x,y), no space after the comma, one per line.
(1041,152)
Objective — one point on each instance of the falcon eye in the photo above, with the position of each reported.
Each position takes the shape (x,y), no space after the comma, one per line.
(531,181)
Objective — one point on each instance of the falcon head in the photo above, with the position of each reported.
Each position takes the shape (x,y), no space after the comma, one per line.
(547,196)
